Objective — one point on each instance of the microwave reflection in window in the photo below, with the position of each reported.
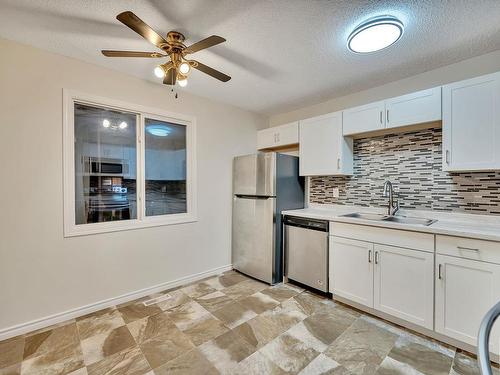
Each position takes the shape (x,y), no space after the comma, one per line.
(105,165)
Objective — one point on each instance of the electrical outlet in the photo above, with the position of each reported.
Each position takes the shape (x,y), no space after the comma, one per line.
(336,192)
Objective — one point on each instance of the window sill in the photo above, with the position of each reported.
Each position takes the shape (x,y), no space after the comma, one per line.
(125,225)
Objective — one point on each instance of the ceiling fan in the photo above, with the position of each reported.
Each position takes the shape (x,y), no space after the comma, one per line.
(179,66)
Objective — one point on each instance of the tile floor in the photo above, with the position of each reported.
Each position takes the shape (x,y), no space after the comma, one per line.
(230,324)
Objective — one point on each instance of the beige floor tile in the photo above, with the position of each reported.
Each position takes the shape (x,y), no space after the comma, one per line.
(205,329)
(127,362)
(150,327)
(162,349)
(310,303)
(55,340)
(323,365)
(258,331)
(51,327)
(183,316)
(362,347)
(99,322)
(234,314)
(424,357)
(244,289)
(285,315)
(281,292)
(100,346)
(137,310)
(11,351)
(226,351)
(214,301)
(258,364)
(63,360)
(198,289)
(214,282)
(80,371)
(231,278)
(289,353)
(11,370)
(190,363)
(177,298)
(259,302)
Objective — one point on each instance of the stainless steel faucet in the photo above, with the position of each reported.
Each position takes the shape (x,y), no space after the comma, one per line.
(393,205)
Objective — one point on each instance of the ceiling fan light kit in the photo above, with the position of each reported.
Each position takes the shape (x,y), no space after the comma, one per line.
(177,69)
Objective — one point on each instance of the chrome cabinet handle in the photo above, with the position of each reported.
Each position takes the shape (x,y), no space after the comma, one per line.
(468,249)
(440,276)
(369,256)
(338,163)
(447,157)
(376,257)
(381,117)
(387,116)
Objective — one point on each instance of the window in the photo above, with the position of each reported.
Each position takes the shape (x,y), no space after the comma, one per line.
(126,166)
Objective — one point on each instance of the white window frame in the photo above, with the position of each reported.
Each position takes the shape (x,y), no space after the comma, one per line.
(70,97)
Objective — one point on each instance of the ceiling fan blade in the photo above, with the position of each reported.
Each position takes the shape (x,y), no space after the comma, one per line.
(110,53)
(210,71)
(171,77)
(135,23)
(205,43)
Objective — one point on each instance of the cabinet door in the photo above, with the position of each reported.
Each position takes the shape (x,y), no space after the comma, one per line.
(415,108)
(288,134)
(364,119)
(465,291)
(351,270)
(471,124)
(323,149)
(266,138)
(404,284)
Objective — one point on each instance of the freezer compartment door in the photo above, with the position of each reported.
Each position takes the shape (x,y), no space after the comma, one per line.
(255,174)
(306,256)
(253,236)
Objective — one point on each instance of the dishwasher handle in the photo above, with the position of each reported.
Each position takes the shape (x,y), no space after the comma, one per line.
(293,221)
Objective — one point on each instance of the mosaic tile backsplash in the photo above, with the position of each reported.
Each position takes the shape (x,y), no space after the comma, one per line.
(412,162)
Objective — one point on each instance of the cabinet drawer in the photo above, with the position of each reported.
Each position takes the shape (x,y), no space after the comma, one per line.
(393,237)
(487,251)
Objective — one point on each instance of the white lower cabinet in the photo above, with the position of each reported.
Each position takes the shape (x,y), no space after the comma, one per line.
(465,290)
(351,270)
(404,284)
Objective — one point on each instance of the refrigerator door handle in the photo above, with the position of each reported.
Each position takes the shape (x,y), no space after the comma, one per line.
(245,196)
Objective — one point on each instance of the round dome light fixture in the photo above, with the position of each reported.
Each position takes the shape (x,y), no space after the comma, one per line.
(106,123)
(375,34)
(158,130)
(123,125)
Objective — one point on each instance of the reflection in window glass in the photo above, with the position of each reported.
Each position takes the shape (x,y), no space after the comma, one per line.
(105,165)
(165,145)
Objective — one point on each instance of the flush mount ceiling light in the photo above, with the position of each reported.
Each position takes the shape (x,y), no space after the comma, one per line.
(375,34)
(158,130)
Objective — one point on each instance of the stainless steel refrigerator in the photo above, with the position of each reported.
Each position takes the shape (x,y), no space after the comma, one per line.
(264,184)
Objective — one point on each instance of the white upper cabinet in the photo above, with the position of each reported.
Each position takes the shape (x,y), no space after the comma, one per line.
(366,118)
(411,109)
(471,124)
(278,136)
(415,108)
(323,148)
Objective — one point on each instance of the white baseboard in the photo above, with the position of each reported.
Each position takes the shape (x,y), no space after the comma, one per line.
(33,325)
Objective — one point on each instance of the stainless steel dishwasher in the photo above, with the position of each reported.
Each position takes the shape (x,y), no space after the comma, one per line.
(306,251)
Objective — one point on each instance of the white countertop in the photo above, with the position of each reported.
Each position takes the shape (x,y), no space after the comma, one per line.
(484,227)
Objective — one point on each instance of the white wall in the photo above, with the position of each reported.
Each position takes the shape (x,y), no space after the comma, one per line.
(469,68)
(43,273)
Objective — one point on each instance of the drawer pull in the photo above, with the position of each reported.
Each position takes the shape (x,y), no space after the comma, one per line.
(440,276)
(369,256)
(376,257)
(468,249)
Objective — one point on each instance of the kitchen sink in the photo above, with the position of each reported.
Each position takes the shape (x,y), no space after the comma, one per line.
(393,219)
(366,216)
(410,220)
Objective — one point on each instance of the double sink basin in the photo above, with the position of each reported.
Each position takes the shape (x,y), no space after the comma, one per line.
(391,219)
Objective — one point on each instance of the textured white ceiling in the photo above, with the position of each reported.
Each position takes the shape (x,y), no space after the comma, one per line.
(281,54)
